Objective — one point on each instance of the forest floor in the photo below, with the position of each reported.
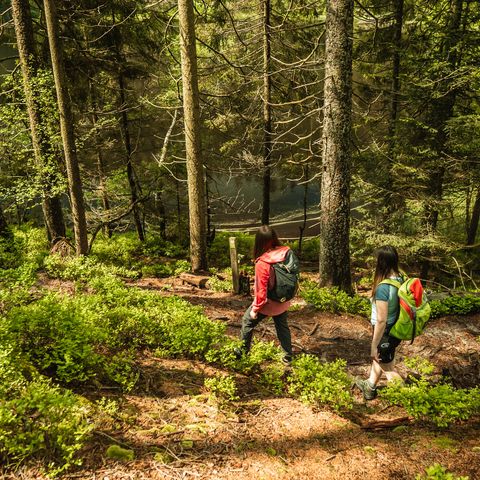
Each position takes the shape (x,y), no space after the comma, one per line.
(178,432)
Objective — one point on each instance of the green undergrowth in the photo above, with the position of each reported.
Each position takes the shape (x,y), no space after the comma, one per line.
(93,338)
(38,419)
(438,403)
(331,299)
(465,304)
(318,383)
(220,281)
(438,472)
(222,388)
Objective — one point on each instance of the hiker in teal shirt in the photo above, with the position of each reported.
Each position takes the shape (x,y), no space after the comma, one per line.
(385,310)
(387,293)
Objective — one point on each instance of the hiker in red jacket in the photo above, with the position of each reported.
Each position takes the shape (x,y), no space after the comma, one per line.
(267,250)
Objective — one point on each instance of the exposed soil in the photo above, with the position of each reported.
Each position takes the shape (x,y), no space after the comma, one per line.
(169,418)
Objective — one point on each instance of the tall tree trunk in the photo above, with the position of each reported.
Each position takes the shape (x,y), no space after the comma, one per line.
(67,129)
(474,220)
(191,109)
(128,151)
(441,112)
(100,163)
(42,146)
(53,214)
(267,114)
(394,200)
(335,188)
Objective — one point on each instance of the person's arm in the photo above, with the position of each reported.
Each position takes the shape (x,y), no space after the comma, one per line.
(262,274)
(382,313)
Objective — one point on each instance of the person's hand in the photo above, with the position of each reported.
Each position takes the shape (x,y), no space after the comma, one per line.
(374,354)
(253,315)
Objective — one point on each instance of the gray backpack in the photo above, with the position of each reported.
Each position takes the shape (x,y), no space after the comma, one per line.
(287,274)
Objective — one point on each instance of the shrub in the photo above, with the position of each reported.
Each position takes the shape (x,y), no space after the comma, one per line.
(441,404)
(218,284)
(331,299)
(97,335)
(421,366)
(457,305)
(310,249)
(56,338)
(155,246)
(272,378)
(82,268)
(38,419)
(120,249)
(19,263)
(223,353)
(223,388)
(320,383)
(437,472)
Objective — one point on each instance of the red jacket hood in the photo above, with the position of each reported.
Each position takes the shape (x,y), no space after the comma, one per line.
(274,256)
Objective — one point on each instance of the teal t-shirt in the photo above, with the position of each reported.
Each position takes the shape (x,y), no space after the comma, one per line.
(387,293)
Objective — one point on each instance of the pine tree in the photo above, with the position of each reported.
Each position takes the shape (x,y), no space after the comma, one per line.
(191,109)
(335,188)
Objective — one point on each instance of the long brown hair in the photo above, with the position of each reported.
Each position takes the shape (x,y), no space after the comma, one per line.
(387,261)
(265,239)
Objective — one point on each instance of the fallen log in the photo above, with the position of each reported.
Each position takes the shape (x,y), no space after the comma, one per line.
(199,281)
(385,423)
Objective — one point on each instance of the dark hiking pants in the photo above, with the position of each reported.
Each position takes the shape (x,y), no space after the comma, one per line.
(281,326)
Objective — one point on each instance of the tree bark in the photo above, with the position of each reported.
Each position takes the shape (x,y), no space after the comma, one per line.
(474,220)
(53,215)
(42,147)
(191,109)
(335,188)
(67,129)
(267,113)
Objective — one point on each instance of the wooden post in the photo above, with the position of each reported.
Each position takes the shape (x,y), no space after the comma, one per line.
(234,263)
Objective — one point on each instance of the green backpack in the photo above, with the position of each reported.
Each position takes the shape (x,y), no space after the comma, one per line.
(414,311)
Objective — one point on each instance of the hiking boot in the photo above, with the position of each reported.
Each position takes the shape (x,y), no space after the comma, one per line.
(369,393)
(238,352)
(287,360)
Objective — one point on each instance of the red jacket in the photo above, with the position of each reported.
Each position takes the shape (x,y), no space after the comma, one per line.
(263,281)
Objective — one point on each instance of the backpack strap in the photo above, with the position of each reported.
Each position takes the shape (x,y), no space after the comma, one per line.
(392,282)
(397,285)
